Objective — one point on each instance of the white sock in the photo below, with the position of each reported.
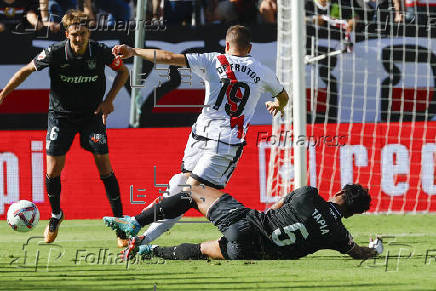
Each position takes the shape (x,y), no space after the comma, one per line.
(57,216)
(156,229)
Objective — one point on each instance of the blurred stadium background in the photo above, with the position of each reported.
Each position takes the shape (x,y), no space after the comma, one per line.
(369,77)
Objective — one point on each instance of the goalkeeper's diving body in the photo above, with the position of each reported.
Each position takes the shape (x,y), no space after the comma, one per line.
(234,84)
(299,224)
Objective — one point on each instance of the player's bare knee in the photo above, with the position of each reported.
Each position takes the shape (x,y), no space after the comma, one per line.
(204,248)
(55,164)
(53,172)
(211,249)
(105,172)
(103,164)
(52,175)
(191,181)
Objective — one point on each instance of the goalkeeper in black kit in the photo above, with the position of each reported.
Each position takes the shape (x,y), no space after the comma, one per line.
(301,223)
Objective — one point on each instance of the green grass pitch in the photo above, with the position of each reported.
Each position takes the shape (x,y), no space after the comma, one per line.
(83,257)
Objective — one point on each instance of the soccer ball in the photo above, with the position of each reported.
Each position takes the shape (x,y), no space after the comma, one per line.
(23,216)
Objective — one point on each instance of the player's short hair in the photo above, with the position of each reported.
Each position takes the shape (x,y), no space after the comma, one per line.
(75,17)
(357,198)
(239,35)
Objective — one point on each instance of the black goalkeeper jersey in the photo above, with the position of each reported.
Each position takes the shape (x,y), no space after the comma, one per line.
(305,224)
(77,83)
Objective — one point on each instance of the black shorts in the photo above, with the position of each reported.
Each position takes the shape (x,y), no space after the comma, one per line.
(241,240)
(63,128)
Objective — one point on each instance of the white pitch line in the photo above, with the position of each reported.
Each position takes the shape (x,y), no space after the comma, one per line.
(396,234)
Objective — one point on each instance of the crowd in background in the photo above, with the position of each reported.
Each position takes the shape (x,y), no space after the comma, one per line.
(344,14)
(40,13)
(357,14)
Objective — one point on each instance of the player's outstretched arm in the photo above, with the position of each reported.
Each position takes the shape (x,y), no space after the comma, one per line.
(279,104)
(106,107)
(362,253)
(17,79)
(160,56)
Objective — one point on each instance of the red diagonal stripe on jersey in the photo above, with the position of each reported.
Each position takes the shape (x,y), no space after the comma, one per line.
(231,75)
(234,121)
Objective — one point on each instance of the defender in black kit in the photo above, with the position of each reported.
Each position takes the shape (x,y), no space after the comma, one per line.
(301,223)
(77,105)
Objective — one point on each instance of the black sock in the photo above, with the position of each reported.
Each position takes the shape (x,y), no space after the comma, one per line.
(168,207)
(113,194)
(180,252)
(53,187)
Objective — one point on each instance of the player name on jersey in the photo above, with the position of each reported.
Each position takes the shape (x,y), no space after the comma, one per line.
(320,220)
(240,68)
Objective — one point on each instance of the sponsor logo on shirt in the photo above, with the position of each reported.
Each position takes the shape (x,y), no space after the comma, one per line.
(78,79)
(91,64)
(333,214)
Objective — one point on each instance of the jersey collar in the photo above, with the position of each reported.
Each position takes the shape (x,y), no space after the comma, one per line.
(69,54)
(247,56)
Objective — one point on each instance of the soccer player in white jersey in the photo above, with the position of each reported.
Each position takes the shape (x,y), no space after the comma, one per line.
(234,83)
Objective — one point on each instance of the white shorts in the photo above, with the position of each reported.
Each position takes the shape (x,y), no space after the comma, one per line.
(210,162)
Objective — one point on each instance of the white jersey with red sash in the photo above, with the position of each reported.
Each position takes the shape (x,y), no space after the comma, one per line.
(233,87)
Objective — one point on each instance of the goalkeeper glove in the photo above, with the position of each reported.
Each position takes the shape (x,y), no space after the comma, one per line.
(376,244)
